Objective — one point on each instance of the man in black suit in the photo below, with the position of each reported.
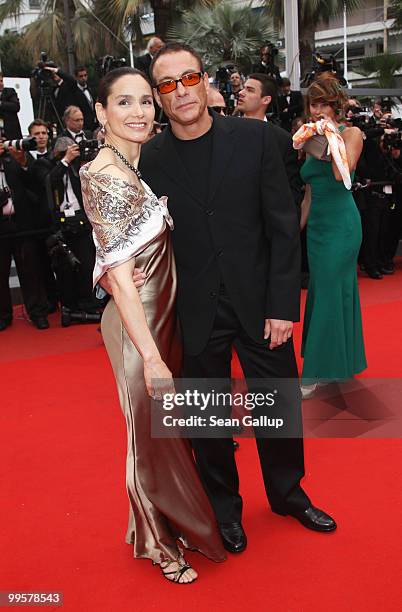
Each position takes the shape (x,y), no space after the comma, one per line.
(236,243)
(70,91)
(267,65)
(143,62)
(73,120)
(291,105)
(39,130)
(61,179)
(254,100)
(9,108)
(19,224)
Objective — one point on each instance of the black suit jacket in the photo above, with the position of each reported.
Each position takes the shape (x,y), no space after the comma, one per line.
(289,158)
(70,94)
(295,108)
(27,214)
(9,107)
(246,235)
(143,63)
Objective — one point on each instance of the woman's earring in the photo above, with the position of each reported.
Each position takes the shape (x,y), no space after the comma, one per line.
(102,129)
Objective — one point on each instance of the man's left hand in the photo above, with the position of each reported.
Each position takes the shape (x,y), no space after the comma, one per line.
(279,330)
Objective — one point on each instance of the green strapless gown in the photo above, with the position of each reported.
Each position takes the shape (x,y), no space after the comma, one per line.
(332,347)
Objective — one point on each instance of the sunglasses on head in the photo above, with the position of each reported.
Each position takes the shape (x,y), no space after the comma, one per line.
(187,80)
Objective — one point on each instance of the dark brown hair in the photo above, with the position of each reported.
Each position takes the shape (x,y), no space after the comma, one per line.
(327,90)
(268,84)
(37,122)
(174,47)
(107,82)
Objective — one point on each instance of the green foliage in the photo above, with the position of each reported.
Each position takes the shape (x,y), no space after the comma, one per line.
(383,67)
(395,10)
(15,61)
(223,33)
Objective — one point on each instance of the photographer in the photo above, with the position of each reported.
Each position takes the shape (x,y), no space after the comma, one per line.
(73,120)
(375,171)
(74,230)
(290,105)
(9,108)
(19,224)
(267,65)
(36,172)
(70,91)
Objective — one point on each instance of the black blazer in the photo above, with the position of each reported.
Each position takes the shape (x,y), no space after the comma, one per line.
(27,214)
(53,175)
(295,108)
(70,94)
(9,107)
(143,62)
(246,235)
(289,158)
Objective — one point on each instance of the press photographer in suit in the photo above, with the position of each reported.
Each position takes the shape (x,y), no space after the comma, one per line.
(35,171)
(9,108)
(290,105)
(61,177)
(20,222)
(70,91)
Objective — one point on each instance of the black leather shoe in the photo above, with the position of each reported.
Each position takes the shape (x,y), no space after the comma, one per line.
(233,537)
(4,324)
(314,518)
(40,322)
(388,269)
(373,273)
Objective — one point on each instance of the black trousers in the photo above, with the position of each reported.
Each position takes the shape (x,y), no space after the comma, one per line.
(374,221)
(25,251)
(281,459)
(75,285)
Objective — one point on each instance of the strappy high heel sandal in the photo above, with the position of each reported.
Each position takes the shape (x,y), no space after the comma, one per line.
(176,575)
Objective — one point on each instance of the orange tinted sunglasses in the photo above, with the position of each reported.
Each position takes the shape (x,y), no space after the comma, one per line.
(187,80)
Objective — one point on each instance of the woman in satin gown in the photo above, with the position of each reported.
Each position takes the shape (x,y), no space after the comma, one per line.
(132,227)
(333,346)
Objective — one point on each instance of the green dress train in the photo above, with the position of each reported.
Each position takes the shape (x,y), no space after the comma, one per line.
(332,346)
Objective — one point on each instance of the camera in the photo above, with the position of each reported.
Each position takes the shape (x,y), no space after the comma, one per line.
(393,141)
(360,117)
(41,75)
(323,63)
(57,248)
(88,149)
(108,62)
(273,50)
(24,144)
(5,195)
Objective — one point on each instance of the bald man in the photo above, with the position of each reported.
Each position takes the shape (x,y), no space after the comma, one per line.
(215,100)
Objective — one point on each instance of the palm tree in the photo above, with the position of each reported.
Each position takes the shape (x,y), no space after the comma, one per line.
(395,10)
(223,33)
(383,67)
(89,37)
(311,13)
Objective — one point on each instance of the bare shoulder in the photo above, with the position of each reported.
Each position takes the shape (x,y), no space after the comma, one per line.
(352,134)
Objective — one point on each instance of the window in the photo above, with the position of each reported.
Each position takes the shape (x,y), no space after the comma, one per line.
(34,4)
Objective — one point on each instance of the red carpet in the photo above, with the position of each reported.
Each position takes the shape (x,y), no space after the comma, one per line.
(64,507)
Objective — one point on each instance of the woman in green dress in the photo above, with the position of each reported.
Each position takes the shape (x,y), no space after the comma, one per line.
(332,347)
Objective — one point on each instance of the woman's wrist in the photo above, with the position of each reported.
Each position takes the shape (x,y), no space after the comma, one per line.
(151,358)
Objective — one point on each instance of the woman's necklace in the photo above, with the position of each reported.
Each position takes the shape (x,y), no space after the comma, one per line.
(123,159)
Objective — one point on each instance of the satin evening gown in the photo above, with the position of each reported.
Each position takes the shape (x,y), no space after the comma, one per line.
(333,346)
(166,498)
